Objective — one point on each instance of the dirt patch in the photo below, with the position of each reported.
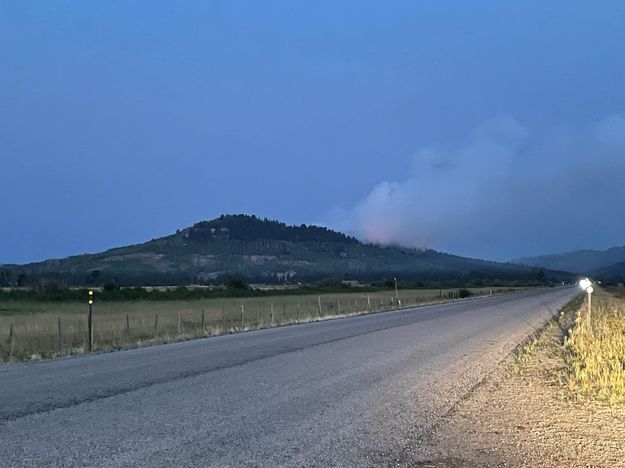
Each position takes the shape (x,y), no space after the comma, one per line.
(524,416)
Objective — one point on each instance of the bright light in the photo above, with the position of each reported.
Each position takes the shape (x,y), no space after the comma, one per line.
(589,290)
(585,283)
(91,293)
(90,301)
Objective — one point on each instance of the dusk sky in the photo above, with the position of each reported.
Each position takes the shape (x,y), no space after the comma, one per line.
(487,129)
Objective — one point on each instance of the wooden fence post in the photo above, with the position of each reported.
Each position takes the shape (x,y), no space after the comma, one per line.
(242,316)
(319,303)
(179,327)
(257,319)
(338,301)
(203,322)
(369,303)
(299,311)
(271,315)
(127,326)
(11,340)
(156,324)
(59,333)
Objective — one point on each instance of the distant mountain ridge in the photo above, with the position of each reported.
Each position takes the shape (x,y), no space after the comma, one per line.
(608,263)
(262,250)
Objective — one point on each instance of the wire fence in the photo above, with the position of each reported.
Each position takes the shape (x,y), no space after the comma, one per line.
(116,326)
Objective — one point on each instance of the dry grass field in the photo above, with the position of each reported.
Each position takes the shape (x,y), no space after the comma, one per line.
(34,330)
(596,346)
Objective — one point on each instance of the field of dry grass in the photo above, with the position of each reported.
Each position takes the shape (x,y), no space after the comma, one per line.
(32,330)
(596,346)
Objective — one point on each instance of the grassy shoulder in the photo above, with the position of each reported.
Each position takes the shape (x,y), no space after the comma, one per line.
(595,348)
(559,402)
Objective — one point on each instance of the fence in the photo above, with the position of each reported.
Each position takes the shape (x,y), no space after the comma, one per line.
(123,325)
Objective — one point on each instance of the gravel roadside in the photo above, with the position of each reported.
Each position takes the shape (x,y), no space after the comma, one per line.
(524,416)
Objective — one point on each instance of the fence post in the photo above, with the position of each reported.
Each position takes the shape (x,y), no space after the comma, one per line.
(203,322)
(338,301)
(271,315)
(369,303)
(319,303)
(223,314)
(299,311)
(59,330)
(179,328)
(242,316)
(257,319)
(127,326)
(156,324)
(283,312)
(11,340)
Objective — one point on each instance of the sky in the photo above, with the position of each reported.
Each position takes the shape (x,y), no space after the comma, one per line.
(487,129)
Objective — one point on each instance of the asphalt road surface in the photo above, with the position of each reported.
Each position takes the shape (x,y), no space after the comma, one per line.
(358,391)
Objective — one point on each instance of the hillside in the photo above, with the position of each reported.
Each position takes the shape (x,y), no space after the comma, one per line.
(614,272)
(262,251)
(580,261)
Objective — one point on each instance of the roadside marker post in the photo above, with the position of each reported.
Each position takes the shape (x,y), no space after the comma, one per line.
(90,320)
(589,291)
(586,285)
(396,293)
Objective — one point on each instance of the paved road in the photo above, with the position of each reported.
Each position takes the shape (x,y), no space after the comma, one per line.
(357,391)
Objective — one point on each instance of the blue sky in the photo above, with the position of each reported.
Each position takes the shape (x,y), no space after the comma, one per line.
(489,129)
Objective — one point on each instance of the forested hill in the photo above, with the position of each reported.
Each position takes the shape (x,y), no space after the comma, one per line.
(244,227)
(261,250)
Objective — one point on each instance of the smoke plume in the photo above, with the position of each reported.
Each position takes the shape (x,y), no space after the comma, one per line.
(505,192)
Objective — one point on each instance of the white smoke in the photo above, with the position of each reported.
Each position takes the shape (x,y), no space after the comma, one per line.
(506,192)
